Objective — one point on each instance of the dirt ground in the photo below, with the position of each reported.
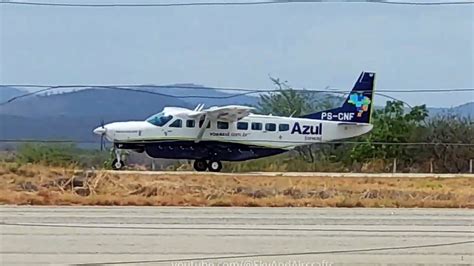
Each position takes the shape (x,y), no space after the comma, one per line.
(41,185)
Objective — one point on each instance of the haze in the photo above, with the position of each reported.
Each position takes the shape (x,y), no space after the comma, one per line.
(310,45)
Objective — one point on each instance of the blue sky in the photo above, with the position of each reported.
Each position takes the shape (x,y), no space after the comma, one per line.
(310,45)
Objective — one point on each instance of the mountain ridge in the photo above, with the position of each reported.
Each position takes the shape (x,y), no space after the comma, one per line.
(72,115)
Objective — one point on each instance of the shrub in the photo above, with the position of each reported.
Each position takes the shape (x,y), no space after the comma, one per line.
(59,155)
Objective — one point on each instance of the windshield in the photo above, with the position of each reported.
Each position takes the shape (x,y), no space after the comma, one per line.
(159,119)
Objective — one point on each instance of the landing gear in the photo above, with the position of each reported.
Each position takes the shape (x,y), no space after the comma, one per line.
(117,163)
(200,165)
(214,166)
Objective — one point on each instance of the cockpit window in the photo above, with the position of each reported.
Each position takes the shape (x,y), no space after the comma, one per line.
(159,119)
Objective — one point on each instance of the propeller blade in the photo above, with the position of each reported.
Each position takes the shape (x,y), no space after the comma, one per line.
(102,144)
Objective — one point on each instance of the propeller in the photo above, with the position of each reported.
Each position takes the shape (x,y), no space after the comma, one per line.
(101,130)
(102,143)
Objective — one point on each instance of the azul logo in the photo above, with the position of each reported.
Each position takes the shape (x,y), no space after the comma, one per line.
(307,130)
(360,101)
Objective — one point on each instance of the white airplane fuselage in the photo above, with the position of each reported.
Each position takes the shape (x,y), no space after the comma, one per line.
(268,131)
(233,133)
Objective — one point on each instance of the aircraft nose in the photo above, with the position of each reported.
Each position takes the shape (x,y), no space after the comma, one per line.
(99,130)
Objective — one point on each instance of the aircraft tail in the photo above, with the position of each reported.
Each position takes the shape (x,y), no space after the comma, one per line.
(358,105)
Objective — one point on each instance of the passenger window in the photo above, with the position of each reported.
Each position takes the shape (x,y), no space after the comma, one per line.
(242,125)
(270,127)
(256,126)
(283,127)
(222,125)
(190,123)
(177,123)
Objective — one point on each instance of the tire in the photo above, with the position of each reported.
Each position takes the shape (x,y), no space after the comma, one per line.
(200,165)
(215,166)
(117,165)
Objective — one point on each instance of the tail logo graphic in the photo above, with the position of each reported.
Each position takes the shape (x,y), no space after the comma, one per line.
(356,107)
(360,101)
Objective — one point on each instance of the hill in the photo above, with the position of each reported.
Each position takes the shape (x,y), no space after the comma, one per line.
(196,94)
(7,93)
(72,115)
(98,103)
(118,104)
(465,110)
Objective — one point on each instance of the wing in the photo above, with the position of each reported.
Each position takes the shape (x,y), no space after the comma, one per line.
(229,113)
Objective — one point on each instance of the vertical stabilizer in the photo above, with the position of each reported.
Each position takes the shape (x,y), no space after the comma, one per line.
(358,105)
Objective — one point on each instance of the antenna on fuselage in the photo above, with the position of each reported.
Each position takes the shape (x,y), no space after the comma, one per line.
(293,113)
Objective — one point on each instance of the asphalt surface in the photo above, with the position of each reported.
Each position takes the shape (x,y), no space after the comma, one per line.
(75,235)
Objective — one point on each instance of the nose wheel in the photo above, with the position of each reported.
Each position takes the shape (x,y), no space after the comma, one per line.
(117,163)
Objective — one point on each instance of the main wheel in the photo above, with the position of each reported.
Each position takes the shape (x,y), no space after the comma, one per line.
(117,164)
(215,166)
(200,165)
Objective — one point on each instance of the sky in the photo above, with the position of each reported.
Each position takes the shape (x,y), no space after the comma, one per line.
(309,45)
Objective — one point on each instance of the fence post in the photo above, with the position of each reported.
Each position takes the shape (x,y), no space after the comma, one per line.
(470,166)
(394,165)
(431,166)
(152,165)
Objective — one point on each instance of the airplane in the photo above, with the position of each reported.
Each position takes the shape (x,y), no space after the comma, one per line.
(234,133)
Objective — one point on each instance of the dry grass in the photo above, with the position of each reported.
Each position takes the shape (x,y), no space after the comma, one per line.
(39,185)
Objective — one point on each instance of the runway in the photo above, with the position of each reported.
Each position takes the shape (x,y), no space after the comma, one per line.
(293,174)
(239,236)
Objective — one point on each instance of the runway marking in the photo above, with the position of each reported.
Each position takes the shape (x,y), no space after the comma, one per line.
(235,228)
(285,254)
(128,234)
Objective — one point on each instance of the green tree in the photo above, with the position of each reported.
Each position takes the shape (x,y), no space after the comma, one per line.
(449,128)
(392,124)
(286,101)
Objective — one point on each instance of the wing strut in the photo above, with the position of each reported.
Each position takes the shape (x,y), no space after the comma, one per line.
(202,130)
